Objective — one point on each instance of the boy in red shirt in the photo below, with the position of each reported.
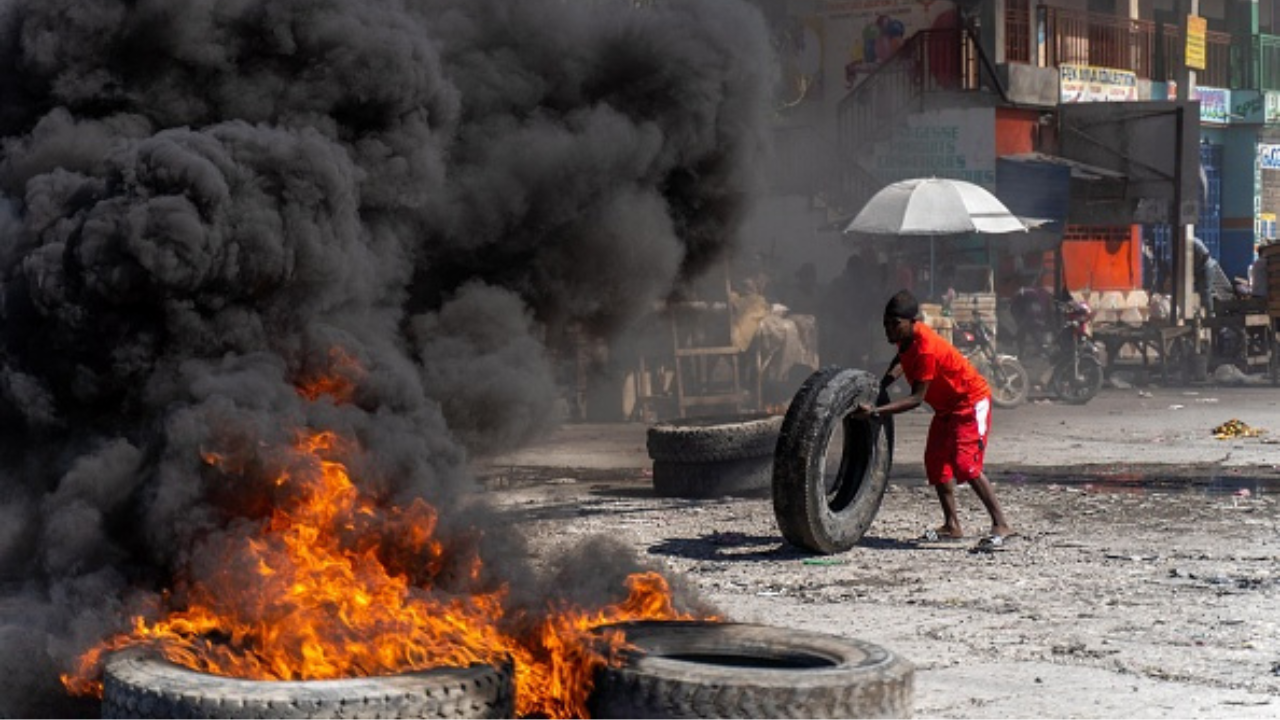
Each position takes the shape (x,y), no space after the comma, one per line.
(961,401)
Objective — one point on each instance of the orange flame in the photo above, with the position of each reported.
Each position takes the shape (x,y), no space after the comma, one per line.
(338,382)
(331,585)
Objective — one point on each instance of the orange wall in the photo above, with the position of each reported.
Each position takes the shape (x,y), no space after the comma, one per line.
(1102,258)
(1015,131)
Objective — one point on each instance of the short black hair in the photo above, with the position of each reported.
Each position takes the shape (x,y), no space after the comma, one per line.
(902,305)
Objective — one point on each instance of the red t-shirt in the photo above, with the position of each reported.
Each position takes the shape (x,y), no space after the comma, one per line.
(954,384)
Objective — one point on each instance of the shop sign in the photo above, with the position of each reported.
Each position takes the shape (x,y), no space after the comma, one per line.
(1266,229)
(1271,110)
(1257,194)
(952,143)
(1196,27)
(1086,83)
(1214,104)
(1269,156)
(1246,106)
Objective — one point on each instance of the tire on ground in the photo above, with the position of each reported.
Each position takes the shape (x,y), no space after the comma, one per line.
(713,439)
(810,514)
(707,457)
(138,683)
(744,477)
(733,670)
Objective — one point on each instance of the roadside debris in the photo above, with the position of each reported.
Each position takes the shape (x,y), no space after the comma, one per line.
(1234,428)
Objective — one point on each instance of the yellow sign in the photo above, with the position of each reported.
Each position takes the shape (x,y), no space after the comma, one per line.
(1196,27)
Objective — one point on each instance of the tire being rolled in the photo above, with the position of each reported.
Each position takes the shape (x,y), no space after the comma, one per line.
(812,513)
(693,669)
(139,683)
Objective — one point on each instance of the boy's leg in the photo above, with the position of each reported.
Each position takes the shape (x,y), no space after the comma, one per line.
(971,444)
(987,494)
(950,515)
(939,448)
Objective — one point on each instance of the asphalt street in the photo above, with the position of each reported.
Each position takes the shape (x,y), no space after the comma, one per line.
(1167,431)
(1142,583)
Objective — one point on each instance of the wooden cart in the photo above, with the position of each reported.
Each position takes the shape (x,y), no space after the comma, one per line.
(1272,254)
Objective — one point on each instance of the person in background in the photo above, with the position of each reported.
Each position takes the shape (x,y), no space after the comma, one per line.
(1210,281)
(803,295)
(961,400)
(847,314)
(1258,274)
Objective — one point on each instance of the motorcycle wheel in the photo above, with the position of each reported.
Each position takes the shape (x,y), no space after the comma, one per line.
(1010,382)
(1081,388)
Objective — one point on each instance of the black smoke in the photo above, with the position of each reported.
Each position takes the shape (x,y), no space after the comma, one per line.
(204,203)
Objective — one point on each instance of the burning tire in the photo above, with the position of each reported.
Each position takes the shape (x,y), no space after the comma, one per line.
(733,670)
(140,684)
(708,457)
(830,470)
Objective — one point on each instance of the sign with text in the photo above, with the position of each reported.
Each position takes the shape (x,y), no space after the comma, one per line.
(1215,105)
(1268,156)
(1086,83)
(1246,107)
(1196,27)
(952,143)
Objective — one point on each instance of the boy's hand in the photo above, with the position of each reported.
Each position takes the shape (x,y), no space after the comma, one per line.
(863,410)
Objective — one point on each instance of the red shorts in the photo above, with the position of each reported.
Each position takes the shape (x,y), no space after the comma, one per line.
(957,444)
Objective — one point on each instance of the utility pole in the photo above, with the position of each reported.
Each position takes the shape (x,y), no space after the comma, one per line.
(1183,235)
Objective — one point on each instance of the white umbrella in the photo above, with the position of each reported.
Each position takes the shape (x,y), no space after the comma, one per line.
(936,206)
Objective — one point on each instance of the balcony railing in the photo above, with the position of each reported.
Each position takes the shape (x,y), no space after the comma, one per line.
(1017,31)
(1266,65)
(1085,38)
(1219,70)
(931,61)
(1075,37)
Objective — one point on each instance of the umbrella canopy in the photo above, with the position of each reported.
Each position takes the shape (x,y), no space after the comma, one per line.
(936,206)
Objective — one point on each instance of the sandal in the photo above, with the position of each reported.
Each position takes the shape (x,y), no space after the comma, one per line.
(991,543)
(931,535)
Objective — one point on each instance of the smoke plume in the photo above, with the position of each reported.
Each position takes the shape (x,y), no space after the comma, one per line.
(205,203)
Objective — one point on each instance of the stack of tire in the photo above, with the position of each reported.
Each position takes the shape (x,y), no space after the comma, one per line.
(709,457)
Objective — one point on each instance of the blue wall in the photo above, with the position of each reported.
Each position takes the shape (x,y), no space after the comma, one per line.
(1236,252)
(1239,150)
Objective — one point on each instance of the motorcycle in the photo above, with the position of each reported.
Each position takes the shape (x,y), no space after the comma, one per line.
(1065,359)
(1009,380)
